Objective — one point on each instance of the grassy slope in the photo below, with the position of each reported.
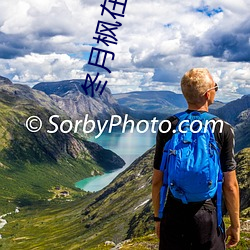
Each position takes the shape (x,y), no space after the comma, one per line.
(55,225)
(60,225)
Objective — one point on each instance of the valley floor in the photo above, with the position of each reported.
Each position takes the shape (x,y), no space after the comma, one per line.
(57,225)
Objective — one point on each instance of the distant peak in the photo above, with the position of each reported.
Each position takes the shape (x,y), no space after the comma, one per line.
(4,80)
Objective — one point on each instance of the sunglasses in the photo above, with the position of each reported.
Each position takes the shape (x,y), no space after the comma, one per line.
(216,87)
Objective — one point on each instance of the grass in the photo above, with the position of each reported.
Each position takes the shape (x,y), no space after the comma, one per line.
(51,225)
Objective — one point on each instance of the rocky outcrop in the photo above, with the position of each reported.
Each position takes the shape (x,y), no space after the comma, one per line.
(71,98)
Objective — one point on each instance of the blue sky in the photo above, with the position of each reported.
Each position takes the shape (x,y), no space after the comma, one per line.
(158,42)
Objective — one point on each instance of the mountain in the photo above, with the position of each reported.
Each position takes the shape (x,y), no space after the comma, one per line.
(149,104)
(242,130)
(4,80)
(232,110)
(71,98)
(32,163)
(216,105)
(237,114)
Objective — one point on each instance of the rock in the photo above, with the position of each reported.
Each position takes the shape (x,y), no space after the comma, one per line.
(109,243)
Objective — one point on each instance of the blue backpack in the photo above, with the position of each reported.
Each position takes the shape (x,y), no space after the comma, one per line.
(191,162)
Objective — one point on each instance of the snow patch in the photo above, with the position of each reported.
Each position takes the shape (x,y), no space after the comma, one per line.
(143,186)
(142,204)
(2,223)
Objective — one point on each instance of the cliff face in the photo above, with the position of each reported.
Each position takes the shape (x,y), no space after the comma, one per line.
(70,97)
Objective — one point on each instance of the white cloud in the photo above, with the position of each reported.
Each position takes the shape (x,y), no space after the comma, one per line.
(34,68)
(156,43)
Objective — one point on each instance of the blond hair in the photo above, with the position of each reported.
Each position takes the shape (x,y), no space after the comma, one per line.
(195,83)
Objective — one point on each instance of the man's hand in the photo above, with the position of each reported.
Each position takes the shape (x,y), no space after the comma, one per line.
(157,228)
(233,236)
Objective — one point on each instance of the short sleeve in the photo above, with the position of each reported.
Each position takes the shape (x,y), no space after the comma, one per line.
(226,141)
(161,140)
(228,162)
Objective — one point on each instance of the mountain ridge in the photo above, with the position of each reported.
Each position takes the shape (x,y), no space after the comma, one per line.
(70,97)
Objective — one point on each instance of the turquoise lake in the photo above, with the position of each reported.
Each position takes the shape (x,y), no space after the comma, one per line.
(129,146)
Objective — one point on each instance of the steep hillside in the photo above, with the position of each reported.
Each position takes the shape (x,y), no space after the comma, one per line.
(32,163)
(130,195)
(232,110)
(237,114)
(70,97)
(242,130)
(243,174)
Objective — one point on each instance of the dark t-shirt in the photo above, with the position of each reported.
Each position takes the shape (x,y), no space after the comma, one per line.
(225,141)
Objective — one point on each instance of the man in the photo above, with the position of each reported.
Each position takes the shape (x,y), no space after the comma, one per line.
(194,225)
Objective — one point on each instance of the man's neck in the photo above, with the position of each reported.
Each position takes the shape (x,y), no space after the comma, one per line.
(198,107)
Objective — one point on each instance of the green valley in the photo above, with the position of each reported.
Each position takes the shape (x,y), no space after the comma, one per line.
(123,210)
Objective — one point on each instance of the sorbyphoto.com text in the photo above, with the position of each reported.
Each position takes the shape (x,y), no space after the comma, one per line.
(87,126)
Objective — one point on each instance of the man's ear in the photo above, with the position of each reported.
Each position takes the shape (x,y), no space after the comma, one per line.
(207,95)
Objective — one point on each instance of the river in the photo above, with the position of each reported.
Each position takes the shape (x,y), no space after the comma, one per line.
(128,146)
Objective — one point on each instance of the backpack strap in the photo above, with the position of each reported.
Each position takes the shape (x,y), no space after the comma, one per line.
(208,116)
(219,200)
(164,188)
(182,115)
(164,169)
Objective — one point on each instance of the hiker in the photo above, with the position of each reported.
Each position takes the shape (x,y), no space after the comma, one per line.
(188,222)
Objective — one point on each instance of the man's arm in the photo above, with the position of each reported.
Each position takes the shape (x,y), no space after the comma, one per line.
(232,200)
(157,178)
(156,187)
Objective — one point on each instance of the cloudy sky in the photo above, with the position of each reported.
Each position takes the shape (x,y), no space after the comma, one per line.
(159,40)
